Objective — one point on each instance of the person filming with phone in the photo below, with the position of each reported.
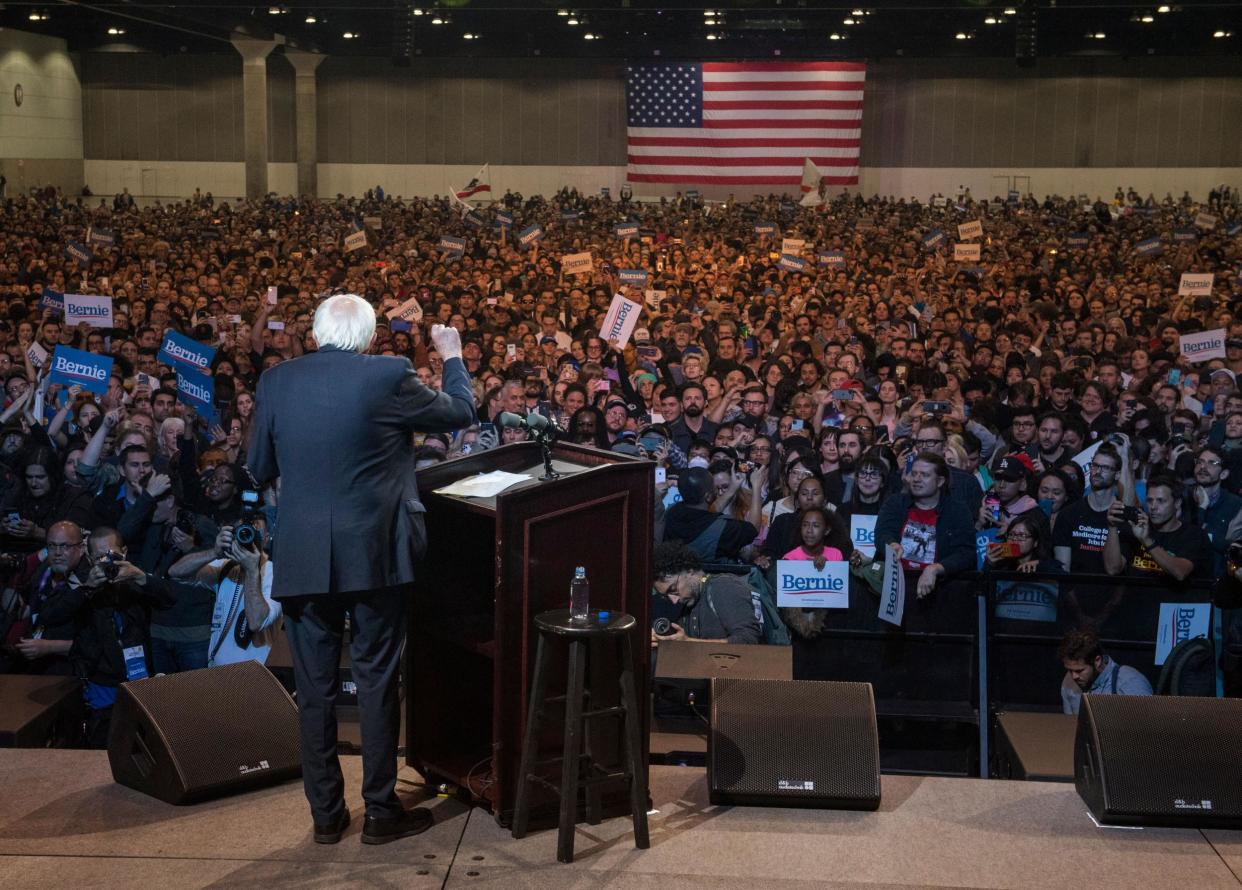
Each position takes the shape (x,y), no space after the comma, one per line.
(1157,542)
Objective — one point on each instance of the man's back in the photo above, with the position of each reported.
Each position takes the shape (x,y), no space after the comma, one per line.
(336,427)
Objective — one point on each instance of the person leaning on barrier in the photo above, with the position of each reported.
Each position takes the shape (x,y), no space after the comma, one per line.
(714,608)
(1089,670)
(930,532)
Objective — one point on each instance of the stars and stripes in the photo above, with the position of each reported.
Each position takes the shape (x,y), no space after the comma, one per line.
(746,123)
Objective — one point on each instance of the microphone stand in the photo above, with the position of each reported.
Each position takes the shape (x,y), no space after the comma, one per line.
(546,437)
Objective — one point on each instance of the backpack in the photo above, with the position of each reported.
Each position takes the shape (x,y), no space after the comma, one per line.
(1190,669)
(775,633)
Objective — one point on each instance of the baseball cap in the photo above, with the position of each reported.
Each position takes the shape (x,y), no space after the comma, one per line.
(1012,466)
(1232,376)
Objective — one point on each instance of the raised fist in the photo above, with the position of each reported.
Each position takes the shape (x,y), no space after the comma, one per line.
(446,340)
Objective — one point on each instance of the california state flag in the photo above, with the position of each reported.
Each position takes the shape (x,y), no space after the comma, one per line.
(481,183)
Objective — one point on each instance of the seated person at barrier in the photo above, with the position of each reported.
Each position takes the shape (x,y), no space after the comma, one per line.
(1089,670)
(713,608)
(932,533)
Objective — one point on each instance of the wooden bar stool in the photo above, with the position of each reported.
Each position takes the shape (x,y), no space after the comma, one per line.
(578,767)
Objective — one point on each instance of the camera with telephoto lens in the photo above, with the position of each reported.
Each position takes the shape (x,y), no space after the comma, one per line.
(662,627)
(245,533)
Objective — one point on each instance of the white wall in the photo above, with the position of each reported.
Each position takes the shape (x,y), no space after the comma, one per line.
(434,179)
(166,179)
(179,179)
(38,137)
(986,182)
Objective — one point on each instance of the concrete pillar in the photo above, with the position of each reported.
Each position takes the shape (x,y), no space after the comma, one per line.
(254,55)
(306,103)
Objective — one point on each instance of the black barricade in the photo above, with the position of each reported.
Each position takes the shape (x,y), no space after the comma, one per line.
(1029,614)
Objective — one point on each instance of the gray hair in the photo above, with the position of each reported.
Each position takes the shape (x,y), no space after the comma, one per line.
(345,321)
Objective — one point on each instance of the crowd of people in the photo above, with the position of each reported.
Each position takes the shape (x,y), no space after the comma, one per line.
(793,367)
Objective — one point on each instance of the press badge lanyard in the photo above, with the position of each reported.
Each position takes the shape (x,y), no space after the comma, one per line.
(135,658)
(228,620)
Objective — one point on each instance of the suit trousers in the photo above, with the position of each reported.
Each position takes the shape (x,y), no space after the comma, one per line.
(315,626)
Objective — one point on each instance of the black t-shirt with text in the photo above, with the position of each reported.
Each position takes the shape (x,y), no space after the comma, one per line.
(1085,532)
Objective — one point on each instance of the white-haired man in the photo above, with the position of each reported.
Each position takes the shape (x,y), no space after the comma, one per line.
(335,425)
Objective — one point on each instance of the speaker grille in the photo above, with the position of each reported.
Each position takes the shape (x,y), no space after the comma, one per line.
(225,728)
(794,743)
(1163,758)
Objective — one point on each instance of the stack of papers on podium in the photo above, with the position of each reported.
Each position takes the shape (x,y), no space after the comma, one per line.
(485,485)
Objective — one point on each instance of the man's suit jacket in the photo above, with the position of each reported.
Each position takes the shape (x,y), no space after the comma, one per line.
(336,427)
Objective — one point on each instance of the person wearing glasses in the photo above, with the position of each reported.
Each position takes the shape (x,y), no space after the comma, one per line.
(1082,526)
(53,596)
(930,439)
(1027,546)
(1217,511)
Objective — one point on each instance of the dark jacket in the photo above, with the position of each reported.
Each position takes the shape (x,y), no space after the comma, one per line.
(115,617)
(955,530)
(337,428)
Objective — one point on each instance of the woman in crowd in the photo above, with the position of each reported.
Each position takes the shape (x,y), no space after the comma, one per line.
(1027,546)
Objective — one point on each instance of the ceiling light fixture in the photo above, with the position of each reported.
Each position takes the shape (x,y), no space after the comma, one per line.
(1009,10)
(437,21)
(991,20)
(588,36)
(961,35)
(468,36)
(849,22)
(349,35)
(1221,34)
(834,36)
(1147,19)
(573,20)
(310,20)
(1164,9)
(562,12)
(857,12)
(115,32)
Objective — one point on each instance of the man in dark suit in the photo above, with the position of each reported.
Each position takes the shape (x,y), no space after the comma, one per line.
(336,427)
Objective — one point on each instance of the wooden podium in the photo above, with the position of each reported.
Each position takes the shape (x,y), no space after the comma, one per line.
(492,565)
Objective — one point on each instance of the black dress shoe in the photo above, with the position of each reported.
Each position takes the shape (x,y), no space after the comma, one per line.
(332,832)
(383,831)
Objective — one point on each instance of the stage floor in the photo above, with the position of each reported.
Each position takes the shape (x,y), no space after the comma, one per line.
(63,823)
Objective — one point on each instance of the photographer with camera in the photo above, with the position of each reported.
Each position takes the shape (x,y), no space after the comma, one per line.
(112,644)
(238,575)
(1156,542)
(709,608)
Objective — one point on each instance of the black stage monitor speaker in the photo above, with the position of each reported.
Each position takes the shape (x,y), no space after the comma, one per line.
(1160,760)
(793,743)
(200,734)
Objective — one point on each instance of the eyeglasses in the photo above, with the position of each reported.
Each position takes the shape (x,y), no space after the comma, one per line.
(1024,423)
(760,449)
(869,474)
(928,443)
(1101,468)
(1205,462)
(1019,536)
(754,402)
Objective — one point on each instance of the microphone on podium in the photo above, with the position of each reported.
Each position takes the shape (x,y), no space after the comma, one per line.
(534,422)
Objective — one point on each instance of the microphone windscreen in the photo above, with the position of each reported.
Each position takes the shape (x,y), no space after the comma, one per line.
(536,421)
(511,420)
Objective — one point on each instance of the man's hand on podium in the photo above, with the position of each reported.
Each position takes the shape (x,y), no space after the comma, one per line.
(446,340)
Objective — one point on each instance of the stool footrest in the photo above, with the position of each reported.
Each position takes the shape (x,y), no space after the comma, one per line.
(615,711)
(583,782)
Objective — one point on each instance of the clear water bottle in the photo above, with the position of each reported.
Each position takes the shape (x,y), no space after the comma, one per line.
(579,596)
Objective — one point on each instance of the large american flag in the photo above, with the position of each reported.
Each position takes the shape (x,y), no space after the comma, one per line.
(743,123)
